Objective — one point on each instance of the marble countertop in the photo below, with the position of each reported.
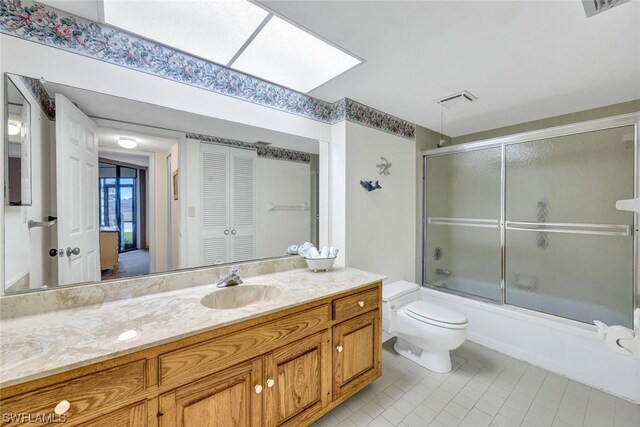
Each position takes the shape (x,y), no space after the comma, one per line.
(43,344)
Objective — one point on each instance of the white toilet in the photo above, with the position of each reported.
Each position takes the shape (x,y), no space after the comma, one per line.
(425,332)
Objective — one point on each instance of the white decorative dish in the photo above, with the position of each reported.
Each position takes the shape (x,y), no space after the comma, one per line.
(316,264)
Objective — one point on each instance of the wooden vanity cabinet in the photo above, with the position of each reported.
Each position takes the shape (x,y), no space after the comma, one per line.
(282,388)
(283,369)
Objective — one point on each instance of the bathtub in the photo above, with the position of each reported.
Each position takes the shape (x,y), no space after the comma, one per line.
(545,303)
(559,345)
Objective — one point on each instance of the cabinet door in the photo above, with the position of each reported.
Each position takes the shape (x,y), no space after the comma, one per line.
(132,416)
(225,399)
(298,380)
(357,348)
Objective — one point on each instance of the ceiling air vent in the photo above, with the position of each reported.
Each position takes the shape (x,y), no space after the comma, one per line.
(593,7)
(457,99)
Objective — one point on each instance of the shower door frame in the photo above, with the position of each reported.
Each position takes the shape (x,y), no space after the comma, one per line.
(632,119)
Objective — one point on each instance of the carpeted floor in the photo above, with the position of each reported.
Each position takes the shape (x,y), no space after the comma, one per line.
(130,264)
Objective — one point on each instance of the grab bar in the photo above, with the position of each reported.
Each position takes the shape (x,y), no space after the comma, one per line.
(51,220)
(574,228)
(300,207)
(465,222)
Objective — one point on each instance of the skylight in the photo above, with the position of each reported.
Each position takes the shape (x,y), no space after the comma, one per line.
(212,29)
(282,52)
(234,33)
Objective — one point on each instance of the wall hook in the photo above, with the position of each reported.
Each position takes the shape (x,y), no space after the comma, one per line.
(369,186)
(383,168)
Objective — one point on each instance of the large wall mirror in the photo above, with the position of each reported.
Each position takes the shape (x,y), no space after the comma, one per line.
(121,188)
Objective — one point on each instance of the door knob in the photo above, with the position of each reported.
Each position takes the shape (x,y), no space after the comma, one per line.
(339,348)
(226,232)
(233,231)
(74,251)
(270,383)
(361,303)
(53,252)
(258,389)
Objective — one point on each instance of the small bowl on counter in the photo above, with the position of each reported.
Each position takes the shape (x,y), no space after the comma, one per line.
(320,264)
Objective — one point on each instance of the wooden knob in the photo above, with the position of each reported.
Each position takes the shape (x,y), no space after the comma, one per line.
(270,383)
(339,348)
(361,303)
(258,389)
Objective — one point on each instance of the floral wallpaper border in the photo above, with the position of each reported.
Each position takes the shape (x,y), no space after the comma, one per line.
(362,114)
(221,141)
(48,26)
(47,103)
(275,153)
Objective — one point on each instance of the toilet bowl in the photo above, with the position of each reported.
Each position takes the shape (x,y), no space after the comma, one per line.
(426,332)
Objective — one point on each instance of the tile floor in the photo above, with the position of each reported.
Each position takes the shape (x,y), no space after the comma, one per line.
(485,388)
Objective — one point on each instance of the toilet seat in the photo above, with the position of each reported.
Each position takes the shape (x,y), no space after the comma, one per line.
(435,315)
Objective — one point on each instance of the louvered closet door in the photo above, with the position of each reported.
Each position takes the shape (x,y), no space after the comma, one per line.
(243,204)
(214,170)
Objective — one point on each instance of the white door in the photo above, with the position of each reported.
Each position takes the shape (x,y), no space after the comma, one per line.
(77,194)
(214,173)
(243,204)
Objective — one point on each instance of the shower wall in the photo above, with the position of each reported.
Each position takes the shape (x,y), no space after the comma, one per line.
(570,184)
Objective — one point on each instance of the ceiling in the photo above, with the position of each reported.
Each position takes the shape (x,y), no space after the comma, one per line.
(524,60)
(157,128)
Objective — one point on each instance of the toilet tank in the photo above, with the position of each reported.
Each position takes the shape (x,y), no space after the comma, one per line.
(394,296)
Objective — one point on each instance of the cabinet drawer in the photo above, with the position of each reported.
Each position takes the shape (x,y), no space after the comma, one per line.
(200,360)
(85,394)
(354,305)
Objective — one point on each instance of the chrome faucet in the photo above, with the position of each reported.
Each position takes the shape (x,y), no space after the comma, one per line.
(441,272)
(232,279)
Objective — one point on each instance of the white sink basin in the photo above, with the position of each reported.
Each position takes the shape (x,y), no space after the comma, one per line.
(240,296)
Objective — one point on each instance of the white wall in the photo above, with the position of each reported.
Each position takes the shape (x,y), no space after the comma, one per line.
(138,160)
(380,224)
(28,249)
(158,237)
(190,183)
(281,183)
(175,212)
(336,196)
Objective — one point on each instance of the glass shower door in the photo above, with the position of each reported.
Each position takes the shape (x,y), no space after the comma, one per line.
(569,252)
(462,221)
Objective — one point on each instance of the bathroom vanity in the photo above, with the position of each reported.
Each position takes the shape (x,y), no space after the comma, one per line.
(287,348)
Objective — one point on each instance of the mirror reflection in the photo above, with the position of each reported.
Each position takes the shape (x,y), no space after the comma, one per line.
(18,137)
(123,188)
